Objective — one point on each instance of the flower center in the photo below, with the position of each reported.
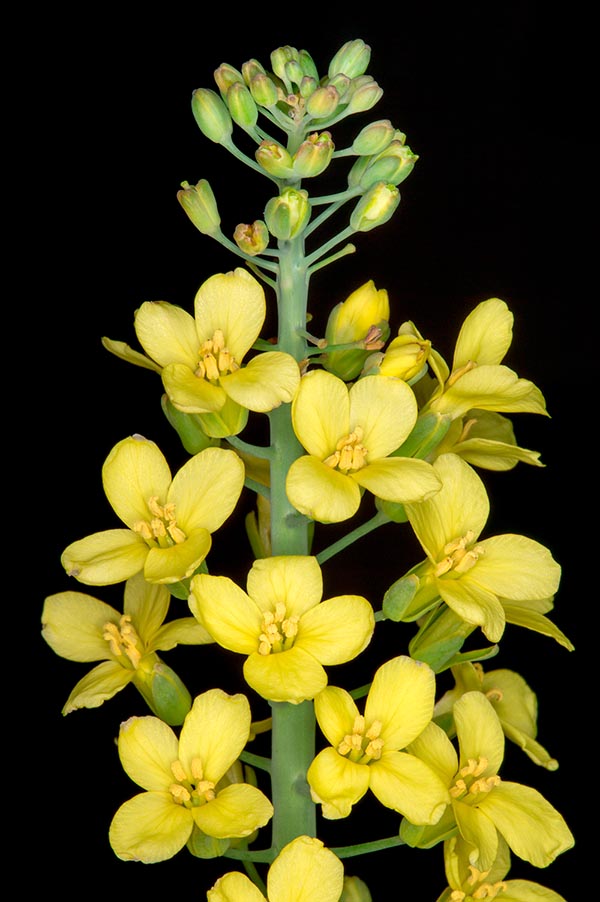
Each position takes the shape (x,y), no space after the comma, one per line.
(161,530)
(483,891)
(123,641)
(278,631)
(362,745)
(191,792)
(469,782)
(459,555)
(350,453)
(214,359)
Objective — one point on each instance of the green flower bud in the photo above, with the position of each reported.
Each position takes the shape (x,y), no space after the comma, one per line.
(164,692)
(392,165)
(199,203)
(342,84)
(264,91)
(355,890)
(357,171)
(251,68)
(275,159)
(308,65)
(406,356)
(226,76)
(363,319)
(287,214)
(251,238)
(426,435)
(364,96)
(374,138)
(242,106)
(293,72)
(375,207)
(188,428)
(323,102)
(282,56)
(211,115)
(440,638)
(308,86)
(352,59)
(398,597)
(314,155)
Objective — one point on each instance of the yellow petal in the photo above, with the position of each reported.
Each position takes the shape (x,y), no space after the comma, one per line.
(73,626)
(317,875)
(238,810)
(337,630)
(386,409)
(321,493)
(337,783)
(287,676)
(479,833)
(135,471)
(336,712)
(399,479)
(490,388)
(321,412)
(183,631)
(233,302)
(122,350)
(147,748)
(100,684)
(407,785)
(479,731)
(295,580)
(150,828)
(147,604)
(267,381)
(167,333)
(401,698)
(434,748)
(206,489)
(234,887)
(474,604)
(485,335)
(189,393)
(215,730)
(516,567)
(105,557)
(493,455)
(521,615)
(226,612)
(169,565)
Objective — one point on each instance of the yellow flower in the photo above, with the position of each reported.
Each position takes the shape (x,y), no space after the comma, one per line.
(282,625)
(82,628)
(484,806)
(366,750)
(201,356)
(478,379)
(349,435)
(304,871)
(169,520)
(181,779)
(486,439)
(364,312)
(469,575)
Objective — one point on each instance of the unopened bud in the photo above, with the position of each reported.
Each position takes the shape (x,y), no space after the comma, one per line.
(308,86)
(439,639)
(355,890)
(275,159)
(374,138)
(375,207)
(251,238)
(264,90)
(352,59)
(293,72)
(342,84)
(226,76)
(251,68)
(287,214)
(314,155)
(165,694)
(392,165)
(308,65)
(199,203)
(282,56)
(323,102)
(398,597)
(405,357)
(242,106)
(364,96)
(353,320)
(211,115)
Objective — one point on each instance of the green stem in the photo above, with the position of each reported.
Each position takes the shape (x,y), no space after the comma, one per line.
(293,749)
(378,520)
(364,848)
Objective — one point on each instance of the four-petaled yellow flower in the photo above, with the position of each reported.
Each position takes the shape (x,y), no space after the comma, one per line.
(469,575)
(282,625)
(169,519)
(366,750)
(349,435)
(82,628)
(484,806)
(304,871)
(181,779)
(201,356)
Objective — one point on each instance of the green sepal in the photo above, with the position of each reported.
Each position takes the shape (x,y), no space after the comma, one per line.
(425,837)
(188,427)
(171,698)
(181,589)
(440,638)
(392,509)
(203,846)
(399,596)
(428,432)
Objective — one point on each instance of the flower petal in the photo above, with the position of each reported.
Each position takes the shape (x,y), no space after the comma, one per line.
(321,493)
(147,748)
(235,887)
(167,333)
(183,631)
(490,388)
(386,409)
(337,783)
(485,335)
(474,604)
(226,612)
(399,479)
(479,731)
(215,730)
(337,630)
(147,604)
(238,810)
(516,567)
(434,748)
(206,489)
(336,712)
(295,580)
(234,303)
(189,393)
(268,380)
(169,565)
(100,684)
(401,698)
(105,557)
(407,785)
(288,676)
(479,833)
(521,615)
(317,874)
(149,828)
(135,471)
(321,412)
(73,626)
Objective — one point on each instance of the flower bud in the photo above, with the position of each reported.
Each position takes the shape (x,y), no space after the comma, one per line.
(264,90)
(323,102)
(342,84)
(392,165)
(427,433)
(308,65)
(314,155)
(351,321)
(251,68)
(352,59)
(242,106)
(251,238)
(355,890)
(363,96)
(374,138)
(398,597)
(282,56)
(405,356)
(226,76)
(164,692)
(439,639)
(199,203)
(287,214)
(293,72)
(375,207)
(308,86)
(275,159)
(211,115)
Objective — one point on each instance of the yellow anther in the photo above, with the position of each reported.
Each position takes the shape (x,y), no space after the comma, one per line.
(469,365)
(350,453)
(159,530)
(476,875)
(215,359)
(143,529)
(277,630)
(485,784)
(155,508)
(374,730)
(123,640)
(113,637)
(474,767)
(374,748)
(490,890)
(458,557)
(459,787)
(457,895)
(178,771)
(179,793)
(197,769)
(176,533)
(206,789)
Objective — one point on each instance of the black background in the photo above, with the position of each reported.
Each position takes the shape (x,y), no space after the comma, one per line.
(494,99)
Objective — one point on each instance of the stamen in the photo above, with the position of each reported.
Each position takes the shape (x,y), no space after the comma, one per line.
(458,557)
(162,529)
(178,771)
(123,640)
(362,745)
(215,359)
(278,631)
(179,793)
(350,453)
